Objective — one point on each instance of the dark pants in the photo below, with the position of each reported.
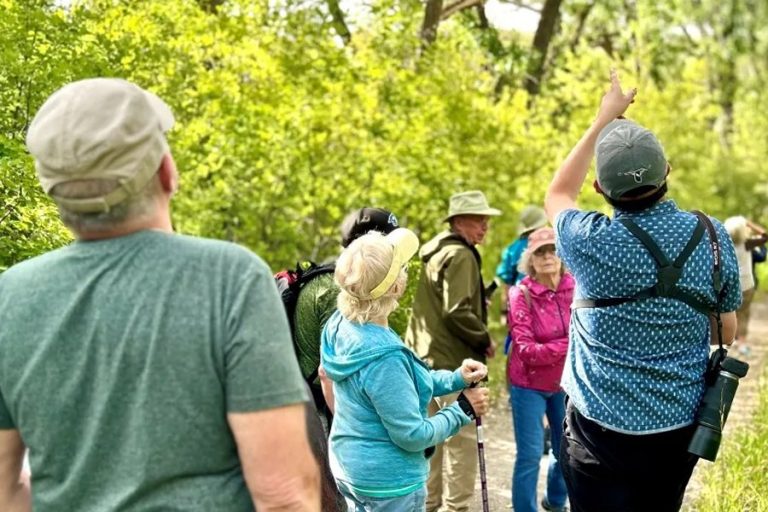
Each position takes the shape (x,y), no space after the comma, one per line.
(606,471)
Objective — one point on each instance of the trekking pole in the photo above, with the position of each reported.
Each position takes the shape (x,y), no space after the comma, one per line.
(481,460)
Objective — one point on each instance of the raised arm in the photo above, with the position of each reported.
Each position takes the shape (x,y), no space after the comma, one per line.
(279,469)
(569,178)
(15,493)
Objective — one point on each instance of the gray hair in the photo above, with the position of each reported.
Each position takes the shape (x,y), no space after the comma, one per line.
(359,269)
(525,265)
(136,206)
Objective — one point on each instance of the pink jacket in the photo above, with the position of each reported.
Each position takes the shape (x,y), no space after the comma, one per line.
(539,334)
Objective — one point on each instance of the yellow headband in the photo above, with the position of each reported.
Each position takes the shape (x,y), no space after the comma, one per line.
(404,243)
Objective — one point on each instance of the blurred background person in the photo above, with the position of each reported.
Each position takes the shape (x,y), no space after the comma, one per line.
(539,316)
(508,272)
(746,236)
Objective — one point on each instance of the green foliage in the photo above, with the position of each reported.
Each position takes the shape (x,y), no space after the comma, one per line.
(398,320)
(281,129)
(737,482)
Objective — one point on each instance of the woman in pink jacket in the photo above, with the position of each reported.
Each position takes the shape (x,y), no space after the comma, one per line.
(539,314)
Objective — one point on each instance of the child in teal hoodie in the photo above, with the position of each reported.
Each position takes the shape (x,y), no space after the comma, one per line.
(381,438)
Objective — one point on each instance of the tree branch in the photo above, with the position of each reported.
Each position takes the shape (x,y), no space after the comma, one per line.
(339,24)
(544,34)
(521,5)
(459,5)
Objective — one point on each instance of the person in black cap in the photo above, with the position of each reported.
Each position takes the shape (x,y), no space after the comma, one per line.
(317,300)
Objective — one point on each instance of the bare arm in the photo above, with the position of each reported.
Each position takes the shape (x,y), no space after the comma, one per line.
(729,328)
(279,467)
(756,228)
(569,178)
(327,385)
(15,494)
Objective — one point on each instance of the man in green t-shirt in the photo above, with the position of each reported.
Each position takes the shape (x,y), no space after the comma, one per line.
(317,301)
(143,370)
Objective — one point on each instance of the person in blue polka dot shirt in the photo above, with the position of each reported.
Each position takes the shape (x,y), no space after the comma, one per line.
(634,374)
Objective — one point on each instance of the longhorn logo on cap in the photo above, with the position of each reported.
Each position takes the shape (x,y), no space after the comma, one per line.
(637,174)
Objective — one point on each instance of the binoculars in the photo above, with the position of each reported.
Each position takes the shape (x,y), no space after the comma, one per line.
(722,379)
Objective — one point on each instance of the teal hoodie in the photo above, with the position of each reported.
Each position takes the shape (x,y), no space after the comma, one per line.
(380,429)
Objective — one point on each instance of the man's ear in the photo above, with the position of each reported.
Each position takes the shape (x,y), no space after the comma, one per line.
(169,178)
(597,187)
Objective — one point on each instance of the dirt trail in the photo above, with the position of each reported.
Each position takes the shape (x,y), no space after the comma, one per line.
(499,438)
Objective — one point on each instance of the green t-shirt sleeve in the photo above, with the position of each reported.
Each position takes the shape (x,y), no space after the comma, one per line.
(6,422)
(261,371)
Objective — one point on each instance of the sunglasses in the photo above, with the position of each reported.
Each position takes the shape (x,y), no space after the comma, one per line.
(544,249)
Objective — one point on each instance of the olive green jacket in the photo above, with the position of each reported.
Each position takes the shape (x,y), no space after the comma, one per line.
(448,322)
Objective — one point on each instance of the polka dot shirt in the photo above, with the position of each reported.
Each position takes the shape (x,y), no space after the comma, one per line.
(638,367)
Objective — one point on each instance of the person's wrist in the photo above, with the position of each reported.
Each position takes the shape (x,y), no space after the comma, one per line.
(466,406)
(603,119)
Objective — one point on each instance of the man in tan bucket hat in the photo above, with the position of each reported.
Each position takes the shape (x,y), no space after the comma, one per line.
(448,325)
(142,369)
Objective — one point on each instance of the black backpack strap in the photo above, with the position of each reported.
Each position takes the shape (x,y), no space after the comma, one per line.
(600,303)
(649,243)
(698,234)
(668,274)
(662,263)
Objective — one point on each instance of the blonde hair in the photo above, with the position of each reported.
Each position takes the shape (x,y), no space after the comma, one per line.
(737,229)
(359,269)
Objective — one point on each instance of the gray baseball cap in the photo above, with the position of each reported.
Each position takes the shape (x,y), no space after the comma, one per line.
(628,157)
(99,128)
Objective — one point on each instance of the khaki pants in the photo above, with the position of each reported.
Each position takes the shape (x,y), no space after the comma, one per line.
(453,488)
(742,315)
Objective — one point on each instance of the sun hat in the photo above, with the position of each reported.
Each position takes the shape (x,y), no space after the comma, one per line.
(361,221)
(405,243)
(540,238)
(531,217)
(99,129)
(472,202)
(628,157)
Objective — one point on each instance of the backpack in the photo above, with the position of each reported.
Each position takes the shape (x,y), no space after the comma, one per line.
(290,283)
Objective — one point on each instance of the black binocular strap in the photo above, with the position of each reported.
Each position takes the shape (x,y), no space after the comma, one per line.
(716,257)
(667,274)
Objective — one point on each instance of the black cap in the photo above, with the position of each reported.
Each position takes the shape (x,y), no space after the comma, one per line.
(361,221)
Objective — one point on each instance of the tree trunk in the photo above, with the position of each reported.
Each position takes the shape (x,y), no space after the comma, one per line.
(339,24)
(483,24)
(432,14)
(550,15)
